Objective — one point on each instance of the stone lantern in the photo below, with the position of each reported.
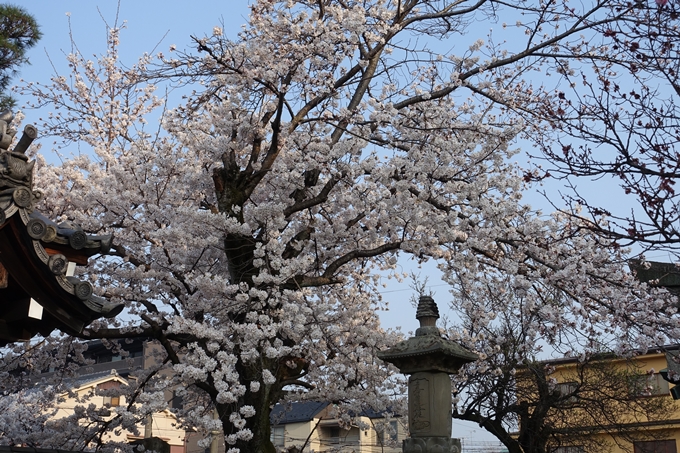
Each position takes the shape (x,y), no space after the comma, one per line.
(429,359)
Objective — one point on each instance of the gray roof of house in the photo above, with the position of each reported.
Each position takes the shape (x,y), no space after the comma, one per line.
(85,379)
(302,411)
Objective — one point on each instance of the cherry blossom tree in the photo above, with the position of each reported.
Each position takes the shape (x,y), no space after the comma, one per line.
(618,122)
(253,220)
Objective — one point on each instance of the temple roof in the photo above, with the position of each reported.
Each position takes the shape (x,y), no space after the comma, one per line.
(38,292)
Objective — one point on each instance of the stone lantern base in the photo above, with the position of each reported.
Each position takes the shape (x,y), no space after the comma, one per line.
(431,445)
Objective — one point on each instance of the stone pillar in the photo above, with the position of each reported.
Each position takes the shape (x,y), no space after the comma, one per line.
(429,414)
(429,404)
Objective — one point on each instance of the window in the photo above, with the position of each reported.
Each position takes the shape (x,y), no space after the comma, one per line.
(103,358)
(278,436)
(112,401)
(177,402)
(389,433)
(568,449)
(649,385)
(659,385)
(333,434)
(655,446)
(566,391)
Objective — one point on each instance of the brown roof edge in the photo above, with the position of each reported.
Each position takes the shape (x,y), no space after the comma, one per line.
(611,355)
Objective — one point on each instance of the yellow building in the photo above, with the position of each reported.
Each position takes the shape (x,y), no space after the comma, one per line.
(109,369)
(614,405)
(162,425)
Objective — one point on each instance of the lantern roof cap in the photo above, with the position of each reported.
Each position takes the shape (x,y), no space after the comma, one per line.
(427,351)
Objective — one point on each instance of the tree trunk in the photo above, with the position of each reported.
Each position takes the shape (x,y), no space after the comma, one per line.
(261,428)
(263,401)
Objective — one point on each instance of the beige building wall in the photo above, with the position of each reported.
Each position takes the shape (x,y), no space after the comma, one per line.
(375,440)
(326,435)
(297,434)
(666,431)
(163,423)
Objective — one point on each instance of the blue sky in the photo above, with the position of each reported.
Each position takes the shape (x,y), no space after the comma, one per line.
(151,24)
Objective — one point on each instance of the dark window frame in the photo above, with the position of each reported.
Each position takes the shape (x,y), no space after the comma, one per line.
(655,446)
